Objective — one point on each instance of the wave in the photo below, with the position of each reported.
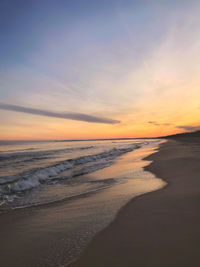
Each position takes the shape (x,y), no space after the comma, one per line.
(38,154)
(78,166)
(105,183)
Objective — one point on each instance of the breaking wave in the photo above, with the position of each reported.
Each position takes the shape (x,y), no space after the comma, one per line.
(61,170)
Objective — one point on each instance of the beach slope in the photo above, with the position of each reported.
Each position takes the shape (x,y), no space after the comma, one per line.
(160,228)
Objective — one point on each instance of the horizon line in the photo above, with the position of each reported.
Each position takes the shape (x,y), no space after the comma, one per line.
(70,140)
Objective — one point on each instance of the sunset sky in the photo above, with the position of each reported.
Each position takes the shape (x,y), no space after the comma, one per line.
(117,68)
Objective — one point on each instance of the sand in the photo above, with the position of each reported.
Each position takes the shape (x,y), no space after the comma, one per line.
(160,228)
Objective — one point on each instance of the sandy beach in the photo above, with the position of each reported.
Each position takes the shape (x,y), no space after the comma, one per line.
(160,228)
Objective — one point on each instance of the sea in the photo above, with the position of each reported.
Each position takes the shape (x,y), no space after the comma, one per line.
(79,185)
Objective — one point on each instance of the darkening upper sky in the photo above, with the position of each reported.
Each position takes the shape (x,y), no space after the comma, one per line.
(136,62)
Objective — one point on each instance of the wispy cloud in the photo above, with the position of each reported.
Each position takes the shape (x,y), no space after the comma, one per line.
(68,115)
(159,124)
(188,127)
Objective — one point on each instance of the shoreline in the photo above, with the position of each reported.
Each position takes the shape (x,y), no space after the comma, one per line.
(159,228)
(65,228)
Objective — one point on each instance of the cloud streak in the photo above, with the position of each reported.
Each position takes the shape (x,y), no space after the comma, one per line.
(188,127)
(68,115)
(159,124)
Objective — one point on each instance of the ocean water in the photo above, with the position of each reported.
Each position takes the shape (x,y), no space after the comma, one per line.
(65,192)
(31,173)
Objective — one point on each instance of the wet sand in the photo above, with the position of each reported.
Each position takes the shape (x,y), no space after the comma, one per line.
(160,228)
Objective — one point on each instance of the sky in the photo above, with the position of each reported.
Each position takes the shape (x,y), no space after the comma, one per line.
(78,69)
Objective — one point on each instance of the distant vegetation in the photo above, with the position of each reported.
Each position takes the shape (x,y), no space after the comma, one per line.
(184,135)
